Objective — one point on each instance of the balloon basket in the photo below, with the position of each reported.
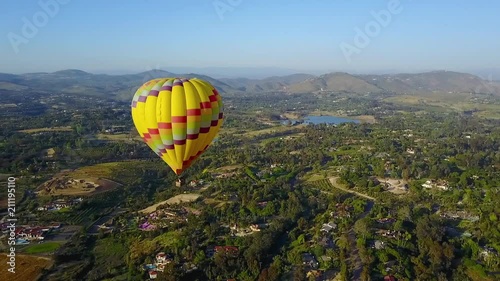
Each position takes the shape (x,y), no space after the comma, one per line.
(179,182)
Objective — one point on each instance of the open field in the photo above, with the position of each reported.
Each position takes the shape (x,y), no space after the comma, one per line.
(215,202)
(119,137)
(54,129)
(362,118)
(315,177)
(446,102)
(103,170)
(229,168)
(291,115)
(46,247)
(28,268)
(178,199)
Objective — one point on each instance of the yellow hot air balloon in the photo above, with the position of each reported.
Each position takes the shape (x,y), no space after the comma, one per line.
(178,118)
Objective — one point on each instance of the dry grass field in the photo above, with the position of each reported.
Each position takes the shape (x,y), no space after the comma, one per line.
(178,199)
(54,129)
(28,268)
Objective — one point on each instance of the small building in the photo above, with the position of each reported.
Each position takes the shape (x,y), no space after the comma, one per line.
(153,274)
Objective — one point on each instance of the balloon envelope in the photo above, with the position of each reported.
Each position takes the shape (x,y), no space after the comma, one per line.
(177,118)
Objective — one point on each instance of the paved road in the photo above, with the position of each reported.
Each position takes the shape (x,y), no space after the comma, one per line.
(333,181)
(354,258)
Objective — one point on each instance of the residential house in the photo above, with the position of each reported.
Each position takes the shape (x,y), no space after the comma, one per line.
(327,227)
(308,259)
(378,245)
(255,227)
(162,258)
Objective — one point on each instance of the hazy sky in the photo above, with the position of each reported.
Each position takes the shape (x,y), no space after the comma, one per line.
(110,35)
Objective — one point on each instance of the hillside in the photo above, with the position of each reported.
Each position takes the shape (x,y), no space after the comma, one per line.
(431,82)
(274,83)
(335,82)
(122,87)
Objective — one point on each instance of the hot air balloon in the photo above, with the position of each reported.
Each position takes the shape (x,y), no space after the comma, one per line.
(177,118)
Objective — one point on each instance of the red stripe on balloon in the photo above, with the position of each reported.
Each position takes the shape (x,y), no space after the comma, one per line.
(191,136)
(164,125)
(213,98)
(205,105)
(179,142)
(153,131)
(193,112)
(204,130)
(179,119)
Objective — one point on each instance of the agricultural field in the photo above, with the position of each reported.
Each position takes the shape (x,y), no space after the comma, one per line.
(28,268)
(117,172)
(322,184)
(82,217)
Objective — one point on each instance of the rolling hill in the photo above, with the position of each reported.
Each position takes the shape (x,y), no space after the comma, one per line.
(335,82)
(122,87)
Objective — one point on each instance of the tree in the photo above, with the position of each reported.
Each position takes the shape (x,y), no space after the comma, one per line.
(362,227)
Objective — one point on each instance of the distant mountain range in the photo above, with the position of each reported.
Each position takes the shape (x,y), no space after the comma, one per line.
(122,87)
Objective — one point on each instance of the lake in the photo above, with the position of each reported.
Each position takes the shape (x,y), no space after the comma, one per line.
(328,120)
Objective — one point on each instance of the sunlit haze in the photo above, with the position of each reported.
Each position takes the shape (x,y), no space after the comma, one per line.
(296,36)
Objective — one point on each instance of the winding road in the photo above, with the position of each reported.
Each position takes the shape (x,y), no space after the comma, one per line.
(354,258)
(333,181)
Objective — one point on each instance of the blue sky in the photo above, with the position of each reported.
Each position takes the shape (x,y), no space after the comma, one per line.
(308,35)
